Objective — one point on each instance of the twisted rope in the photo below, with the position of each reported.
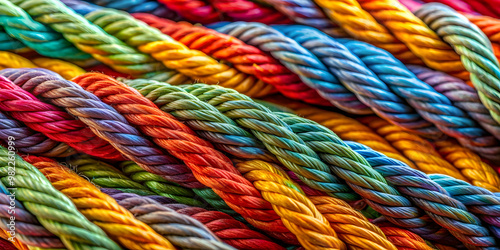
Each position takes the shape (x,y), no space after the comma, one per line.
(141,6)
(101,209)
(455,4)
(299,60)
(360,79)
(93,40)
(491,28)
(421,40)
(474,49)
(403,239)
(248,11)
(359,24)
(8,245)
(53,210)
(194,10)
(17,244)
(278,138)
(209,166)
(175,55)
(246,58)
(52,121)
(430,197)
(65,69)
(9,43)
(11,60)
(487,7)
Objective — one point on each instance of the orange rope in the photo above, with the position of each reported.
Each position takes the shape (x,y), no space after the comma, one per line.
(6,235)
(404,239)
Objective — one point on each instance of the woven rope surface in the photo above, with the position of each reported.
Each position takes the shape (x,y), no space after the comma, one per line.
(249,11)
(194,10)
(141,6)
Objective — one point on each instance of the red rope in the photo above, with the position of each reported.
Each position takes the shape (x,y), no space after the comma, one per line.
(194,10)
(248,11)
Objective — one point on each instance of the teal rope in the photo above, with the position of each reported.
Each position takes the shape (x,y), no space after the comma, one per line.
(53,209)
(9,43)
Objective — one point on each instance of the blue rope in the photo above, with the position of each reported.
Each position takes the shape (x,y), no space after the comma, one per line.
(80,7)
(9,43)
(139,6)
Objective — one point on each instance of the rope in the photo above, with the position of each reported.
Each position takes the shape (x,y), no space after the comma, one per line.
(225,227)
(491,28)
(7,245)
(17,244)
(473,47)
(306,12)
(248,11)
(52,121)
(360,25)
(101,209)
(194,10)
(443,209)
(360,79)
(298,60)
(246,58)
(455,4)
(111,126)
(52,209)
(421,40)
(209,166)
(11,60)
(479,201)
(9,43)
(93,40)
(362,178)
(26,230)
(290,150)
(141,6)
(65,69)
(403,239)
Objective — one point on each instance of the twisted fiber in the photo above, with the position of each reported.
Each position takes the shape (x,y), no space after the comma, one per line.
(107,71)
(460,94)
(421,40)
(141,6)
(11,60)
(278,138)
(458,5)
(345,127)
(412,5)
(175,55)
(17,244)
(432,105)
(101,209)
(248,11)
(35,35)
(52,121)
(65,69)
(198,11)
(432,198)
(491,28)
(27,228)
(9,43)
(486,7)
(359,24)
(403,239)
(420,151)
(93,40)
(203,118)
(209,166)
(298,60)
(362,178)
(359,79)
(246,58)
(7,245)
(225,227)
(473,47)
(307,13)
(479,201)
(53,210)
(105,122)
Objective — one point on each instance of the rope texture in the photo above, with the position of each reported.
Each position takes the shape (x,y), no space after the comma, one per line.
(52,121)
(54,210)
(246,58)
(8,43)
(194,10)
(299,60)
(403,239)
(421,40)
(141,6)
(473,47)
(11,60)
(17,244)
(209,166)
(487,7)
(101,209)
(248,11)
(491,28)
(7,245)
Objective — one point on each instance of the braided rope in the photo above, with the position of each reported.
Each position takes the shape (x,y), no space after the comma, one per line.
(209,166)
(65,69)
(194,10)
(278,138)
(298,60)
(421,40)
(473,47)
(141,6)
(429,196)
(248,11)
(491,28)
(11,44)
(93,40)
(8,245)
(102,210)
(487,7)
(403,239)
(15,243)
(360,79)
(455,4)
(359,24)
(52,121)
(11,60)
(246,58)
(54,211)
(104,121)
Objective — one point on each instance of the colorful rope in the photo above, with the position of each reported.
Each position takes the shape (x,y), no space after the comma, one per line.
(8,43)
(248,11)
(194,10)
(11,60)
(403,239)
(298,60)
(246,58)
(141,6)
(473,47)
(53,210)
(490,27)
(101,209)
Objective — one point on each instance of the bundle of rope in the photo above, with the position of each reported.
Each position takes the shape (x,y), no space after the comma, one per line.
(490,27)
(403,239)
(8,43)
(246,58)
(101,209)
(52,121)
(484,7)
(52,209)
(473,47)
(135,6)
(458,5)
(194,10)
(299,60)
(209,166)
(11,60)
(93,40)
(360,25)
(249,11)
